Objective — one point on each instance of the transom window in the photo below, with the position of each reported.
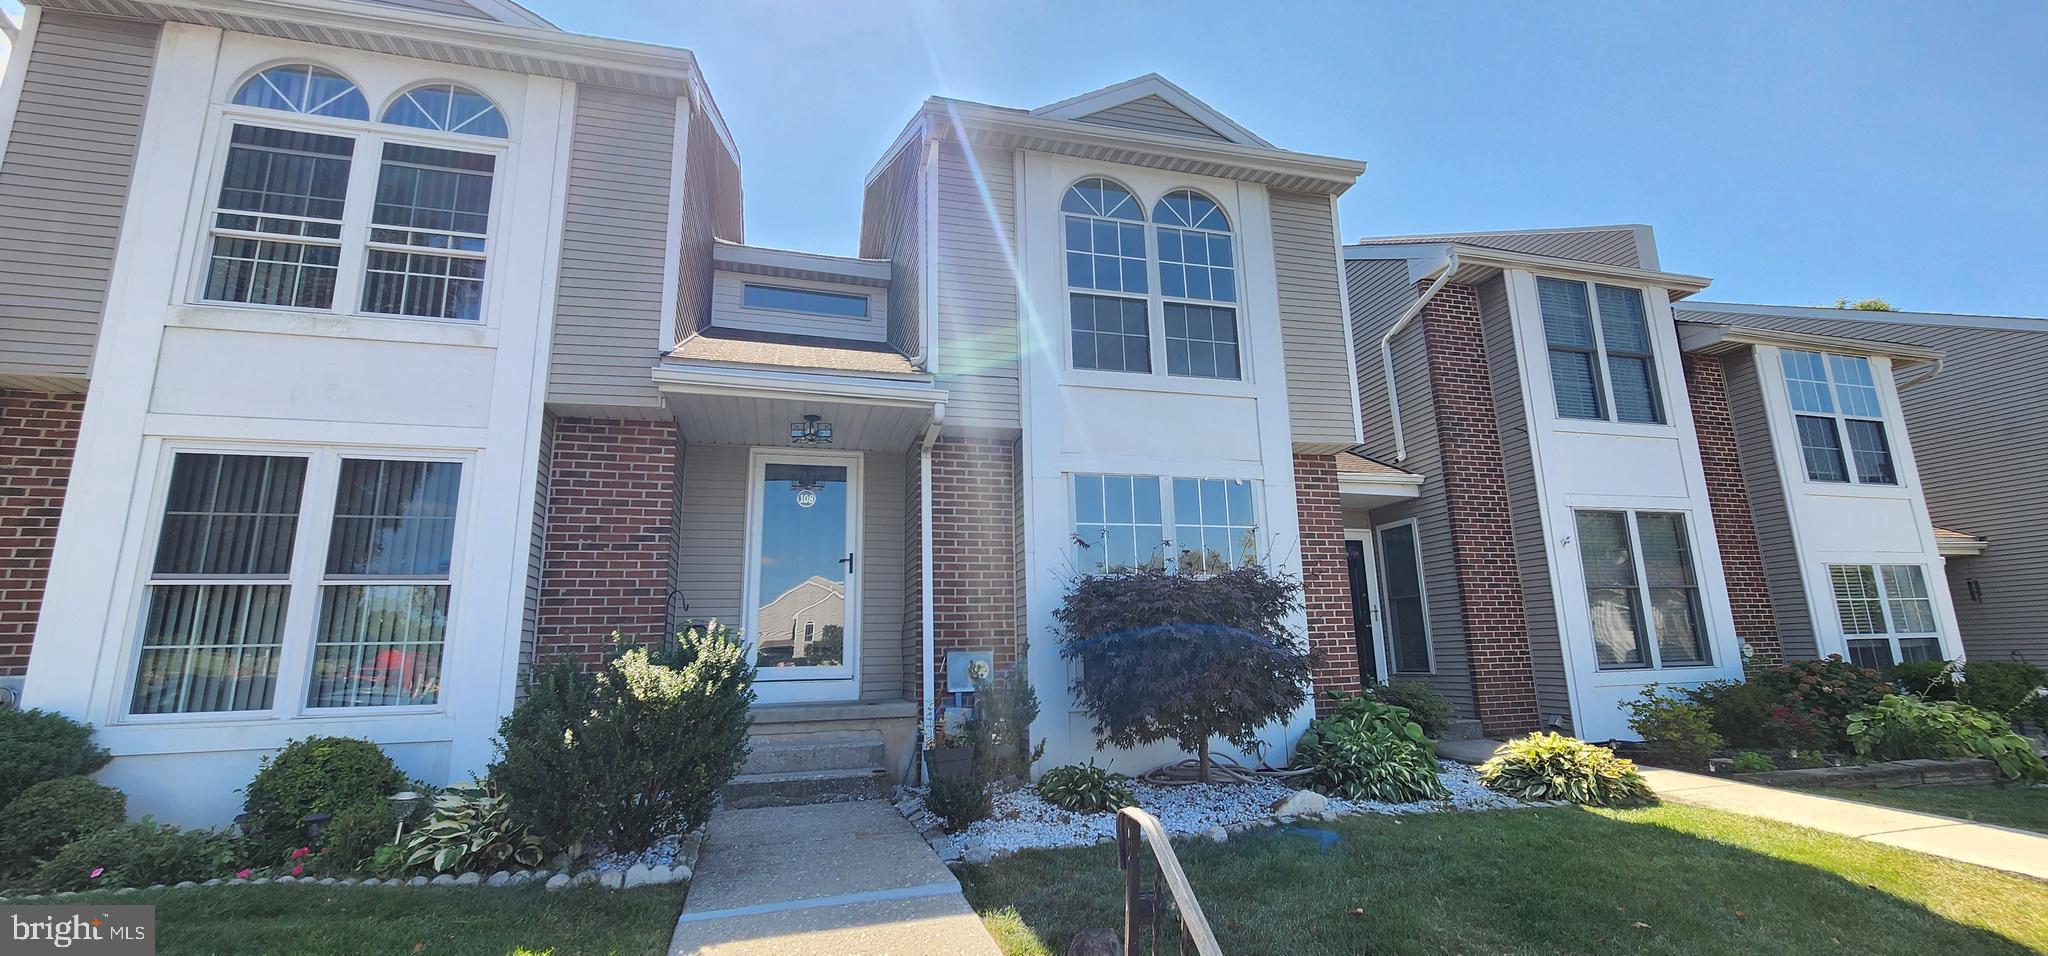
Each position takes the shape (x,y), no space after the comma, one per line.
(786,299)
(1835,405)
(1887,613)
(1121,523)
(1110,296)
(1642,590)
(292,226)
(1602,366)
(219,626)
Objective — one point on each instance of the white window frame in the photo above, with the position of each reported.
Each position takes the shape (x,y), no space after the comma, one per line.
(1385,614)
(305,580)
(1654,659)
(1170,545)
(1604,379)
(1234,305)
(355,243)
(1892,635)
(1839,421)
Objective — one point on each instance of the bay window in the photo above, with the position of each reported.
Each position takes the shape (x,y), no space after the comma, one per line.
(1835,406)
(1887,613)
(241,614)
(1642,590)
(1121,523)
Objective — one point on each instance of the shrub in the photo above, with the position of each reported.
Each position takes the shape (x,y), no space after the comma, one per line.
(53,813)
(1085,788)
(471,828)
(314,775)
(1000,728)
(1827,690)
(1170,656)
(136,854)
(634,753)
(1367,750)
(959,801)
(1547,766)
(353,837)
(1800,732)
(1675,730)
(1749,761)
(1740,711)
(1421,701)
(37,745)
(1905,728)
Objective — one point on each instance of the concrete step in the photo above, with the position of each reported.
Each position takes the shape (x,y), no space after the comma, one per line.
(804,787)
(1462,728)
(814,751)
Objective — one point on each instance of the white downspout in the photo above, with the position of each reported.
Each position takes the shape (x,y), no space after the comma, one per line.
(928,691)
(1443,277)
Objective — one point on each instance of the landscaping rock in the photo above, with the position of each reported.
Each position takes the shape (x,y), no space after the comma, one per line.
(328,881)
(558,881)
(585,878)
(287,879)
(1217,834)
(260,881)
(238,882)
(442,880)
(640,874)
(1096,942)
(351,881)
(213,882)
(469,879)
(185,885)
(499,878)
(679,874)
(612,879)
(417,881)
(977,851)
(1300,803)
(124,891)
(153,887)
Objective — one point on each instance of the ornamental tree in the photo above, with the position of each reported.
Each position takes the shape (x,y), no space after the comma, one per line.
(1180,657)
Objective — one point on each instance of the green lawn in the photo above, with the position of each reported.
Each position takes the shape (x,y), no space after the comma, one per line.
(2007,805)
(316,920)
(1668,879)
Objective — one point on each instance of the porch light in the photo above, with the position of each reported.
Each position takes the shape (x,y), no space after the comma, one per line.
(810,431)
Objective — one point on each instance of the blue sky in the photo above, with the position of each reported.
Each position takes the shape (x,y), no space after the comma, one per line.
(1794,152)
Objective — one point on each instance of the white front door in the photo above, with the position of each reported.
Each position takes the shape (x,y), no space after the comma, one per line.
(803,574)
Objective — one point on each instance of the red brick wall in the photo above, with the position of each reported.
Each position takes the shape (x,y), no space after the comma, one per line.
(38,436)
(1475,484)
(1325,578)
(1742,563)
(974,584)
(611,517)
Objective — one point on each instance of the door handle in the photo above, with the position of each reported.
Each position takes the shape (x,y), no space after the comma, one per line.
(848,561)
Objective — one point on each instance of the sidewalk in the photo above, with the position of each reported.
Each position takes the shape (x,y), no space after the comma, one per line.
(823,879)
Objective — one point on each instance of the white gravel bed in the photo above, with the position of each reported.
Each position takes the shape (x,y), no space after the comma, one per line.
(1022,821)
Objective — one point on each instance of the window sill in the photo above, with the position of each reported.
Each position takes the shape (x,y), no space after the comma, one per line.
(334,325)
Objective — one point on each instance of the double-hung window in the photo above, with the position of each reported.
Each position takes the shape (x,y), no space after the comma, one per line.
(1602,365)
(1835,406)
(1198,283)
(243,614)
(1106,278)
(295,224)
(1887,613)
(1121,523)
(1642,590)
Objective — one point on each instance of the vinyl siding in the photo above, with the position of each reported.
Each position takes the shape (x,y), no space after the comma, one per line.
(608,299)
(536,547)
(1153,114)
(1319,379)
(65,178)
(729,309)
(1377,299)
(892,228)
(1767,506)
(1525,503)
(1614,247)
(696,238)
(710,562)
(913,577)
(977,290)
(1979,434)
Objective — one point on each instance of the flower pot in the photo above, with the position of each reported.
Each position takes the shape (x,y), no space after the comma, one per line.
(949,763)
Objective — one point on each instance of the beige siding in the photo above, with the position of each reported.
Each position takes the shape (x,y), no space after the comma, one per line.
(614,241)
(65,186)
(892,228)
(883,640)
(729,309)
(1153,114)
(1614,247)
(700,208)
(1525,503)
(977,291)
(536,547)
(1319,379)
(1380,292)
(1767,507)
(913,577)
(1376,301)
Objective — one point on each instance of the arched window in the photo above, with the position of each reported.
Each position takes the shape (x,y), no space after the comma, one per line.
(1106,254)
(1197,271)
(304,88)
(448,108)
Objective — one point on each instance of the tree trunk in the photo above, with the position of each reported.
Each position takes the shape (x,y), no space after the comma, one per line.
(1202,761)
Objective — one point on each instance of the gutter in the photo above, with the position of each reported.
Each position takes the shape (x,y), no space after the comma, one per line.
(1443,277)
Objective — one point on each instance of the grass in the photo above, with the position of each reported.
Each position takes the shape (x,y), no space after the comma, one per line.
(319,920)
(2005,805)
(1668,879)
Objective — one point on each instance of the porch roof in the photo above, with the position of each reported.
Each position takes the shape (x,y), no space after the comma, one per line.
(739,347)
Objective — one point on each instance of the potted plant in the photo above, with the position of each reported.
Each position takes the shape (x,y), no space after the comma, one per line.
(949,755)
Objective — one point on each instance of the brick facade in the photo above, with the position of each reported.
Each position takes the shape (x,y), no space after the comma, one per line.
(1475,485)
(38,436)
(610,521)
(1742,563)
(974,582)
(1325,576)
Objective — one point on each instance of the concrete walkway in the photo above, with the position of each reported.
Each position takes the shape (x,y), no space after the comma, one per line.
(828,878)
(1999,848)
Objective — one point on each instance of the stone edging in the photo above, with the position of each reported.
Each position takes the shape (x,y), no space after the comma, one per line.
(1896,774)
(639,874)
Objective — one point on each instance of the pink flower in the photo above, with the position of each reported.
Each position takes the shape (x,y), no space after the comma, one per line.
(96,871)
(299,870)
(241,874)
(301,851)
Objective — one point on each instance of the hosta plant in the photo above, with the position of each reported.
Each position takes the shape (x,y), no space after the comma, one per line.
(1901,727)
(1085,788)
(470,829)
(1549,766)
(1367,750)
